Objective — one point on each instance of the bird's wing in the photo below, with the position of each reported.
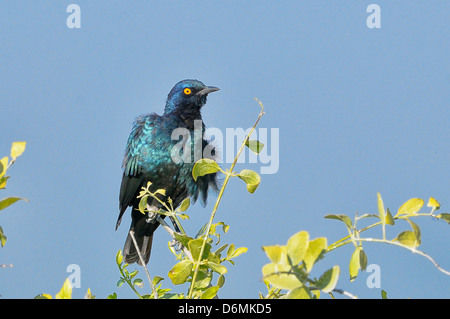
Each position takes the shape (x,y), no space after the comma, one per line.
(132,179)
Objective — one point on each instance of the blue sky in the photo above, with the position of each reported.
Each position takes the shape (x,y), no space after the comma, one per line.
(359,111)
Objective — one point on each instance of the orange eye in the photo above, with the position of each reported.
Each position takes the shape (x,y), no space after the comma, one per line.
(187,91)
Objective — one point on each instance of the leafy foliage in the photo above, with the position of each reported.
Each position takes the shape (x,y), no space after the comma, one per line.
(291,265)
(17,149)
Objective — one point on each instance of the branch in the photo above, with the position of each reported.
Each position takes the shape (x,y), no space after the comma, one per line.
(155,293)
(413,250)
(228,174)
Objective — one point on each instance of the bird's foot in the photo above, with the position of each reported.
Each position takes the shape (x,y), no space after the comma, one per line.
(176,245)
(151,217)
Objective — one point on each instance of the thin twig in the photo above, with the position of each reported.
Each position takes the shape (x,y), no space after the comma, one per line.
(345,293)
(155,293)
(228,174)
(413,250)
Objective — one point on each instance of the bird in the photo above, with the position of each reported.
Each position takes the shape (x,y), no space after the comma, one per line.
(149,158)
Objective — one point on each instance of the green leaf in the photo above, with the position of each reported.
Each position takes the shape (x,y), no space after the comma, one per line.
(138,282)
(185,204)
(444,216)
(9,201)
(143,204)
(17,149)
(433,203)
(281,276)
(315,248)
(251,178)
(327,282)
(297,246)
(3,181)
(120,282)
(381,211)
(183,239)
(408,238)
(156,280)
(238,252)
(65,292)
(195,247)
(43,296)
(119,257)
(203,167)
(204,278)
(210,293)
(2,237)
(389,219)
(383,294)
(221,281)
(217,268)
(355,264)
(410,207)
(254,145)
(416,230)
(344,218)
(384,215)
(357,261)
(3,165)
(363,260)
(180,272)
(299,293)
(276,254)
(112,296)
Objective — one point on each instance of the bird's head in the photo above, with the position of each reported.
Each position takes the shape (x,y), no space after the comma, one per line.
(189,95)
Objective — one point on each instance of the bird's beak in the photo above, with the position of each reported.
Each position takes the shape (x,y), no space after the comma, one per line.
(207,90)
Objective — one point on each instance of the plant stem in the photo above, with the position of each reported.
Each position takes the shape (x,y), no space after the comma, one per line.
(229,173)
(155,293)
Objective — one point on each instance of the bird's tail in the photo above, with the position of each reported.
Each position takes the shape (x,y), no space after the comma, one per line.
(143,234)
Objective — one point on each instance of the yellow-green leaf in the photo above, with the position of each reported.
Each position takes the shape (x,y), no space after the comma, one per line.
(381,211)
(433,203)
(180,272)
(344,218)
(3,181)
(143,204)
(315,249)
(276,253)
(2,237)
(185,204)
(238,252)
(65,292)
(43,296)
(444,216)
(410,207)
(355,265)
(254,145)
(119,257)
(3,165)
(210,293)
(327,282)
(280,276)
(9,201)
(251,178)
(195,247)
(357,261)
(408,238)
(389,219)
(299,293)
(17,149)
(297,246)
(203,167)
(217,267)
